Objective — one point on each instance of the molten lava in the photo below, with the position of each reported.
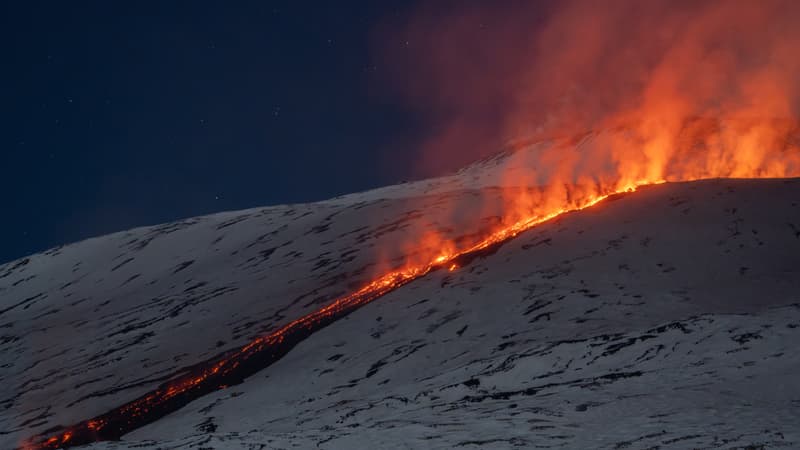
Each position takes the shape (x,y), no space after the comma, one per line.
(765,149)
(636,70)
(261,352)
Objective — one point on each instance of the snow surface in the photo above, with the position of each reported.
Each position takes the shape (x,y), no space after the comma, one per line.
(664,318)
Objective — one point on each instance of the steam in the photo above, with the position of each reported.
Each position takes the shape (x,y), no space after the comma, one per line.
(726,72)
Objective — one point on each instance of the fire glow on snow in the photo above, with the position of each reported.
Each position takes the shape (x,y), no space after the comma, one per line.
(657,135)
(762,152)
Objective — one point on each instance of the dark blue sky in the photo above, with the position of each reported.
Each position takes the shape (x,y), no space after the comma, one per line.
(120,114)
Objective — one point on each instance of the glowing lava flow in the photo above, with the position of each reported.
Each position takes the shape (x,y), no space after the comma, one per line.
(235,366)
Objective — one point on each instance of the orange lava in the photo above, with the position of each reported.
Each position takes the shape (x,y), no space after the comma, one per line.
(366,294)
(683,91)
(765,149)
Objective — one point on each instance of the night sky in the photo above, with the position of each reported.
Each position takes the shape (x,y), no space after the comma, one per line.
(119,116)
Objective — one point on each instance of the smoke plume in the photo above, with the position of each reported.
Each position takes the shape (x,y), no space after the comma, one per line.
(703,88)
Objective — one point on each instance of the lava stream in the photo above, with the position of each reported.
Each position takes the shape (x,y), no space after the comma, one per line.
(238,364)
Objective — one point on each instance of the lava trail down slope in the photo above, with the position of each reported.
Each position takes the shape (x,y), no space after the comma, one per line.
(544,339)
(236,365)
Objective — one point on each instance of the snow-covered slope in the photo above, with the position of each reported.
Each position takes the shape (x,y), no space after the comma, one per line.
(661,318)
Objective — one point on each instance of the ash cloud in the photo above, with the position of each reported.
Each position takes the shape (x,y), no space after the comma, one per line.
(486,74)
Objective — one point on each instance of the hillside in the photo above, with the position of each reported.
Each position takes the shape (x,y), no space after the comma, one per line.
(664,317)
